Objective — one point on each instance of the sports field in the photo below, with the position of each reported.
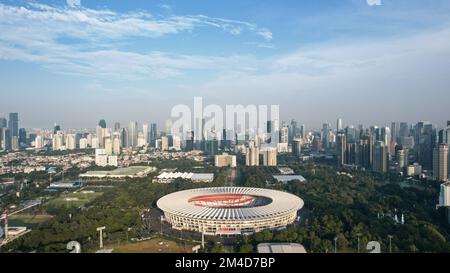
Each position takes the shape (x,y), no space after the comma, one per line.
(153,246)
(74,199)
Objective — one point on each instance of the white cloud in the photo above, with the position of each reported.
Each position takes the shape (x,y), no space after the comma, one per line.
(74,3)
(84,41)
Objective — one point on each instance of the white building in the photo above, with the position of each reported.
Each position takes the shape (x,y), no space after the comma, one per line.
(444,197)
(71,142)
(101,158)
(225,160)
(39,142)
(83,143)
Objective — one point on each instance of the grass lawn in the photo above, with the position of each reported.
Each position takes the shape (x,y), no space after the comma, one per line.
(28,220)
(77,199)
(156,245)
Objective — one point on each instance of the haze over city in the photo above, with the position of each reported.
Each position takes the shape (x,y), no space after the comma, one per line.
(75,62)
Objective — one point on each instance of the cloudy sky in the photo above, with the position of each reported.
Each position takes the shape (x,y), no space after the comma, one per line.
(74,62)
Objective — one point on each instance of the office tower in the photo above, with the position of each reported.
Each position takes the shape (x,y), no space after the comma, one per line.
(117,127)
(269,126)
(351,134)
(123,138)
(380,158)
(252,155)
(302,131)
(404,130)
(339,125)
(444,196)
(326,135)
(71,143)
(440,162)
(116,144)
(39,142)
(83,143)
(212,146)
(341,149)
(293,131)
(3,123)
(365,149)
(164,143)
(394,131)
(444,136)
(22,136)
(132,134)
(13,124)
(189,141)
(270,156)
(351,153)
(102,123)
(153,134)
(108,146)
(386,138)
(145,132)
(297,146)
(426,138)
(56,128)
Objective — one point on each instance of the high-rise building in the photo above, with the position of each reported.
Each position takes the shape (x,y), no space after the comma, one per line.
(153,134)
(401,156)
(56,128)
(101,158)
(102,123)
(297,146)
(440,162)
(13,124)
(100,136)
(71,143)
(117,127)
(252,155)
(39,142)
(124,138)
(132,134)
(58,141)
(83,143)
(116,144)
(284,134)
(341,149)
(270,156)
(444,196)
(380,158)
(339,125)
(425,141)
(108,146)
(145,133)
(164,143)
(3,123)
(5,139)
(22,136)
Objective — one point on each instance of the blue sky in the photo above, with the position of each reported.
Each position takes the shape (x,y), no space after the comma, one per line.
(74,62)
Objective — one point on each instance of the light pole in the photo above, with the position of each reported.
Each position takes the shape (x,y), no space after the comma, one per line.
(100,229)
(390,243)
(358,235)
(335,244)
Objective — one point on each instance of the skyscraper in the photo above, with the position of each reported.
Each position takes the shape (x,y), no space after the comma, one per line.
(341,149)
(3,123)
(440,162)
(297,146)
(13,124)
(339,125)
(380,158)
(153,134)
(22,136)
(102,123)
(132,134)
(145,132)
(116,127)
(252,155)
(269,156)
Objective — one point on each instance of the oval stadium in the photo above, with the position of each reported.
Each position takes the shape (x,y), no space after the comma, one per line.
(230,210)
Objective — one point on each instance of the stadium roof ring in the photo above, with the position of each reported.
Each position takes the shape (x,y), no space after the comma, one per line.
(230,210)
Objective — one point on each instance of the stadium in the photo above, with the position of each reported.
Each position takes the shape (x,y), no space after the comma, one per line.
(230,210)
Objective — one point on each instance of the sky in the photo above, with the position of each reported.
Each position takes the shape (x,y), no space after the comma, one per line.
(368,61)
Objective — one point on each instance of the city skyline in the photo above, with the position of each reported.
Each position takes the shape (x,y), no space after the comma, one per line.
(317,60)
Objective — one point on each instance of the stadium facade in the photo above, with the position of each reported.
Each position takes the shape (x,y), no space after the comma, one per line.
(230,210)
